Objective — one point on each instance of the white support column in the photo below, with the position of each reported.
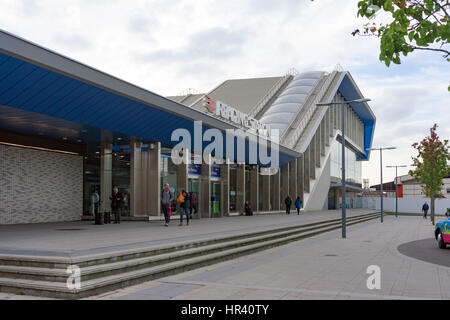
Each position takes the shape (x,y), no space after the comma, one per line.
(105,177)
(136,197)
(152,197)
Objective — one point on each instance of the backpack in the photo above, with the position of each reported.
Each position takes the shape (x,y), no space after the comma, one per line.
(180,198)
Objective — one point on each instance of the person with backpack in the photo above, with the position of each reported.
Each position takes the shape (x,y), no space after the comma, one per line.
(298,204)
(181,200)
(288,203)
(166,200)
(425,209)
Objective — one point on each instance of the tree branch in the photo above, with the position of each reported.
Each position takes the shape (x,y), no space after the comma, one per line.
(447,53)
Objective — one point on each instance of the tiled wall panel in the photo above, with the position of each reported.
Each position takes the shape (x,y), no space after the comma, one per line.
(39,186)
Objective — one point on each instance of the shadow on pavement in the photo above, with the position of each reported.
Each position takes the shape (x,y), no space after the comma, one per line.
(426,250)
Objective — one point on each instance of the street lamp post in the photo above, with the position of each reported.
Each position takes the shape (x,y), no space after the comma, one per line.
(343,103)
(381,175)
(396,186)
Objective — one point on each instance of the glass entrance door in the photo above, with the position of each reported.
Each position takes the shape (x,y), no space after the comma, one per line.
(193,187)
(215,199)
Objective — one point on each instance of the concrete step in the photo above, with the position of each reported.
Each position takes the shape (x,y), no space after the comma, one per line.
(126,277)
(100,270)
(111,257)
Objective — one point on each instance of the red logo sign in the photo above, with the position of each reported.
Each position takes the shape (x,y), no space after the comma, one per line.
(209,104)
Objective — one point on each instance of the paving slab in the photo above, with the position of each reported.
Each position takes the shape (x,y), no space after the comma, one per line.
(327,267)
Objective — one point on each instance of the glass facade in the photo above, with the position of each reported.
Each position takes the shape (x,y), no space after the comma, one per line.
(169,171)
(353,168)
(233,187)
(215,198)
(119,173)
(121,158)
(91,181)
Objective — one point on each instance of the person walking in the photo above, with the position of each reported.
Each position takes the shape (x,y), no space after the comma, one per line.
(182,206)
(288,203)
(425,209)
(187,206)
(298,204)
(166,200)
(116,203)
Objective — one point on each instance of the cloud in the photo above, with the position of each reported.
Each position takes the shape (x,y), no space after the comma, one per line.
(213,44)
(73,42)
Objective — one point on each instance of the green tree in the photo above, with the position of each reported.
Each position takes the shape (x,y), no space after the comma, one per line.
(414,25)
(431,166)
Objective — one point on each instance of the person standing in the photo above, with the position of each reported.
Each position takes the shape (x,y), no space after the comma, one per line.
(95,198)
(248,209)
(298,204)
(425,209)
(288,203)
(166,199)
(116,203)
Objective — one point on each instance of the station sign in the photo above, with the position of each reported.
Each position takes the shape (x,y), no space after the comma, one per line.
(224,111)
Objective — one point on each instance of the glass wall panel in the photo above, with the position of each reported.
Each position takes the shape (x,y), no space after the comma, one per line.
(121,158)
(91,181)
(233,187)
(353,169)
(261,193)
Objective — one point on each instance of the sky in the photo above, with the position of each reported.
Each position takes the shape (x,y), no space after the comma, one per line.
(169,46)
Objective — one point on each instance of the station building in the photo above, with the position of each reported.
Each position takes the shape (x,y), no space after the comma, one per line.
(69,132)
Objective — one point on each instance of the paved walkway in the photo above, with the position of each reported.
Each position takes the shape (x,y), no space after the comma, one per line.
(323,267)
(84,238)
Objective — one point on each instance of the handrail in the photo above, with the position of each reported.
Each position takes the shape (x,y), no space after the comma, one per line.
(291,142)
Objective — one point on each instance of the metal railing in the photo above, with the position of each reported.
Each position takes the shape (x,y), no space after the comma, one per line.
(292,141)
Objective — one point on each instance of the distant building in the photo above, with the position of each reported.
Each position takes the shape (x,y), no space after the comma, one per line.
(408,188)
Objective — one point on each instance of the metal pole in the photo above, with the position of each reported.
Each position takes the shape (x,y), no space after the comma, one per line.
(381,189)
(344,231)
(396,193)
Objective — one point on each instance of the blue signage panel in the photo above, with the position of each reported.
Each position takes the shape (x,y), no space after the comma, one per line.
(215,172)
(195,169)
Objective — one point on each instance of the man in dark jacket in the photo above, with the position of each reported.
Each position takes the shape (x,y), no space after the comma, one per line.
(116,204)
(425,209)
(288,203)
(166,200)
(248,209)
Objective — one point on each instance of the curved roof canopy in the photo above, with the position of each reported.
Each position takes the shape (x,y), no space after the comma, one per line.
(291,101)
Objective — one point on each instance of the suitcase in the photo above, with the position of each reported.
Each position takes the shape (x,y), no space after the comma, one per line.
(107,217)
(98,218)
